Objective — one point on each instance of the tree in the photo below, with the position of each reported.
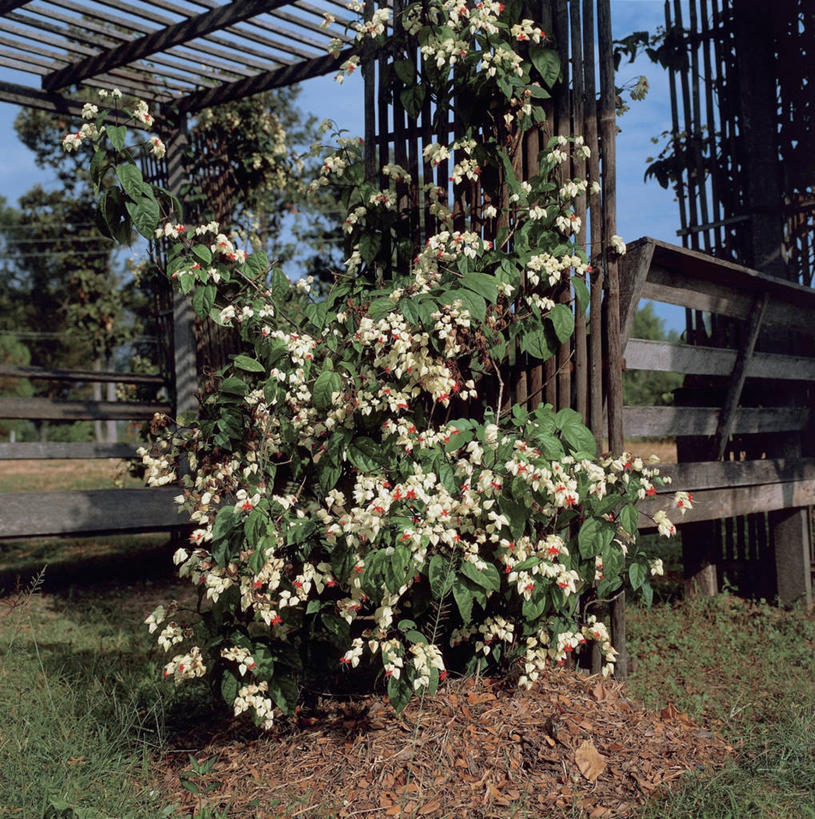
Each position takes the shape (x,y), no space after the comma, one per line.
(643,388)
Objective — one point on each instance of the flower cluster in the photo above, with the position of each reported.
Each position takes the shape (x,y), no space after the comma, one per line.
(360,492)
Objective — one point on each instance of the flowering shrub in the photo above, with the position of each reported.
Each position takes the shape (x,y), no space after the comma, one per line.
(363,495)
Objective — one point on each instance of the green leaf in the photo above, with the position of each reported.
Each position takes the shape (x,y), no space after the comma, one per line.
(440,574)
(369,246)
(593,537)
(229,687)
(280,285)
(257,263)
(379,308)
(534,342)
(547,61)
(516,513)
(629,518)
(329,474)
(447,476)
(414,636)
(482,284)
(459,439)
(637,573)
(575,432)
(488,577)
(131,180)
(581,293)
(399,692)
(413,99)
(116,135)
(202,253)
(203,299)
(251,365)
(464,600)
(470,300)
(410,310)
(285,692)
(325,386)
(405,70)
(563,321)
(647,591)
(144,213)
(364,453)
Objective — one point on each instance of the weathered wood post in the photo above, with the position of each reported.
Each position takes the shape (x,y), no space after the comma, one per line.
(790,529)
(185,368)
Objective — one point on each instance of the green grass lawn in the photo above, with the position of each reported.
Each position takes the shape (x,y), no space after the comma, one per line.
(85,711)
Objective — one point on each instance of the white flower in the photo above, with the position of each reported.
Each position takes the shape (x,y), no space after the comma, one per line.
(617,244)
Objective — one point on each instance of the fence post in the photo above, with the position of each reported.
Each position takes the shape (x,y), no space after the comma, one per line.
(185,369)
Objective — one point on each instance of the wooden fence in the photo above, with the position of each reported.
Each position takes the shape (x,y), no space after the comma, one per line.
(76,512)
(749,403)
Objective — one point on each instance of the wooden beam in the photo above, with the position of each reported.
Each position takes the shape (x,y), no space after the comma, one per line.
(696,475)
(57,450)
(792,542)
(287,75)
(44,374)
(727,416)
(733,295)
(667,356)
(695,421)
(44,409)
(40,514)
(717,504)
(41,100)
(178,34)
(634,267)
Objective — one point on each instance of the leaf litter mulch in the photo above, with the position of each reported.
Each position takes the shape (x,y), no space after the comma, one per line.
(573,746)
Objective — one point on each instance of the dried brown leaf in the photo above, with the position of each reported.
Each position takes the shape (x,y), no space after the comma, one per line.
(589,761)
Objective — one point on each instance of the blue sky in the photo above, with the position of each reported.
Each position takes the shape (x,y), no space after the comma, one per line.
(643,208)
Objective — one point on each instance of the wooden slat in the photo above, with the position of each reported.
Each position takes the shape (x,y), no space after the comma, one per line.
(683,289)
(717,504)
(680,421)
(735,386)
(666,356)
(45,374)
(691,477)
(40,514)
(634,268)
(46,410)
(39,451)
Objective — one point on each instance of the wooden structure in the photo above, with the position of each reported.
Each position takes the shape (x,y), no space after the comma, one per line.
(740,162)
(748,412)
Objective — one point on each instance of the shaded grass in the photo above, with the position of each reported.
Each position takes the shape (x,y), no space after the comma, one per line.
(746,669)
(84,713)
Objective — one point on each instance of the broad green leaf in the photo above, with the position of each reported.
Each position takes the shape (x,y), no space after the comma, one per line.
(547,61)
(464,600)
(131,180)
(203,299)
(251,365)
(399,692)
(516,513)
(325,386)
(280,285)
(414,636)
(379,308)
(581,292)
(144,213)
(637,574)
(534,342)
(488,577)
(410,310)
(629,518)
(202,253)
(116,135)
(563,321)
(593,537)
(482,284)
(459,439)
(257,263)
(229,687)
(405,71)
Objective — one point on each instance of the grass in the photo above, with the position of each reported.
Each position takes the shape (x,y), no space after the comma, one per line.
(746,669)
(56,475)
(84,716)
